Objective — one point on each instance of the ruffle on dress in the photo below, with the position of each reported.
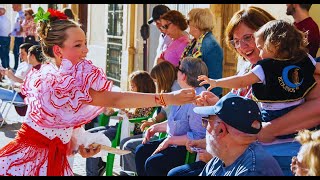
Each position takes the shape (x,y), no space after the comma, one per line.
(56,96)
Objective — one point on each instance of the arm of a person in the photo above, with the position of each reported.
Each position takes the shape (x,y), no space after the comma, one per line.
(317,71)
(134,99)
(305,116)
(10,75)
(237,81)
(159,118)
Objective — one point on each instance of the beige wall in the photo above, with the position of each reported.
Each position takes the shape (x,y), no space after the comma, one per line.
(96,34)
(315,14)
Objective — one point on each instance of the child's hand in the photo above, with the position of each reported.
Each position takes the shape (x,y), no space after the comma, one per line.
(206,80)
(89,152)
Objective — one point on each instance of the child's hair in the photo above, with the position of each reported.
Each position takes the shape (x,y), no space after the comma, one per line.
(288,41)
(68,12)
(52,33)
(193,67)
(143,81)
(165,73)
(37,52)
(310,141)
(29,11)
(25,46)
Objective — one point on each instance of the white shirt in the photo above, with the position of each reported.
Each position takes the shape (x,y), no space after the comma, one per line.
(23,70)
(17,26)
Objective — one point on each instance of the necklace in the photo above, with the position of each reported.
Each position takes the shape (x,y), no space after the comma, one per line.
(194,47)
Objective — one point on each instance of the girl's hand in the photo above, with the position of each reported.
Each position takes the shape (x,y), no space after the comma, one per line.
(182,96)
(206,80)
(90,151)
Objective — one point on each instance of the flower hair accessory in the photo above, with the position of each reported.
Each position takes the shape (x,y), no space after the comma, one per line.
(51,15)
(43,20)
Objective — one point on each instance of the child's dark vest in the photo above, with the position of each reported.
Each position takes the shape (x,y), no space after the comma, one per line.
(285,80)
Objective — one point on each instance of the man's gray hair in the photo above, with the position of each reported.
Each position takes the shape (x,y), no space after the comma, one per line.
(193,67)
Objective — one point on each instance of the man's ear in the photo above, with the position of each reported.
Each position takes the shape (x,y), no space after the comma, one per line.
(222,130)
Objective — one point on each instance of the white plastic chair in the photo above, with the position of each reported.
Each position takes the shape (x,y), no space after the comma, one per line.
(6,105)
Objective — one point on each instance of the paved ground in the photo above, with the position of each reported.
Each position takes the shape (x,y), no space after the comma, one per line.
(8,132)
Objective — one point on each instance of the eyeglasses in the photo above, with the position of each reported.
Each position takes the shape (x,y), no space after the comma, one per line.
(181,70)
(205,121)
(246,39)
(165,27)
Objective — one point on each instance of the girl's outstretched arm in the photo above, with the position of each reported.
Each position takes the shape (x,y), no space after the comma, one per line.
(237,81)
(134,99)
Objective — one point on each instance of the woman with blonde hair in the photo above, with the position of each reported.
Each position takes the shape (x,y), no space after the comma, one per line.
(204,44)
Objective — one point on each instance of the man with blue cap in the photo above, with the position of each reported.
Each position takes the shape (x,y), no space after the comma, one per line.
(232,125)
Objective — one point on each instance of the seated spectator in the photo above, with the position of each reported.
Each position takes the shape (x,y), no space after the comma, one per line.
(156,158)
(232,126)
(23,68)
(307,162)
(164,75)
(35,59)
(139,81)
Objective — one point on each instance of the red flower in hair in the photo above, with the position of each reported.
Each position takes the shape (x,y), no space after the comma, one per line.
(55,14)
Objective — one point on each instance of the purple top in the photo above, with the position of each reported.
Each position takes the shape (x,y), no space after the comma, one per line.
(175,50)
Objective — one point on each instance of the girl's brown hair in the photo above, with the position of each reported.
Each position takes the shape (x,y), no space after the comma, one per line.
(288,41)
(143,81)
(165,74)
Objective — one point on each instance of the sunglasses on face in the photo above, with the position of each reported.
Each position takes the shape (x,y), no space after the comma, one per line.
(165,27)
(246,39)
(181,70)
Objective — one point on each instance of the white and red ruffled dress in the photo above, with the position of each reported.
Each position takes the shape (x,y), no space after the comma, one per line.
(55,99)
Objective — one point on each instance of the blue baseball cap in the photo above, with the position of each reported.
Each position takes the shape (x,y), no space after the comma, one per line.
(236,111)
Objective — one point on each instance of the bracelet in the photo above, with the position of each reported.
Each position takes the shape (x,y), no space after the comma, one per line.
(156,99)
(162,102)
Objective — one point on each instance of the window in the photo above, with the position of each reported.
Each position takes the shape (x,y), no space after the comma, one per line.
(114,42)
